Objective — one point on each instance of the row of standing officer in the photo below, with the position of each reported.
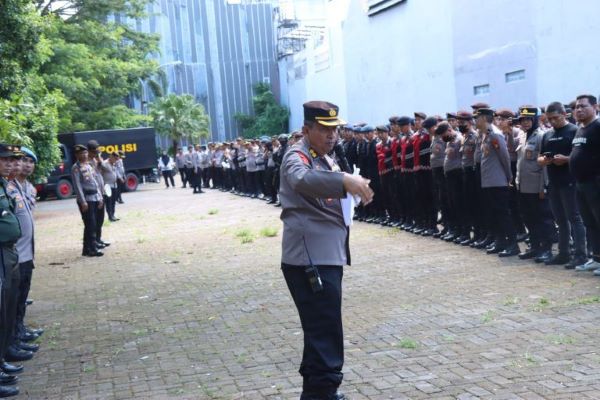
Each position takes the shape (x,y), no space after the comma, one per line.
(17,202)
(480,171)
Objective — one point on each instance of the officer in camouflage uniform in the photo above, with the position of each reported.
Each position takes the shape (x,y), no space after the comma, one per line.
(315,246)
(10,232)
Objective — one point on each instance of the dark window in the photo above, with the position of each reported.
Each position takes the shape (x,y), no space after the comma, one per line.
(377,6)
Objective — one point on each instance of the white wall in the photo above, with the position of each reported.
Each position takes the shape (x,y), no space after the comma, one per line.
(428,55)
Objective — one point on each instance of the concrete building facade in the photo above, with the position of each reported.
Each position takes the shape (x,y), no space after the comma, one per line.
(385,57)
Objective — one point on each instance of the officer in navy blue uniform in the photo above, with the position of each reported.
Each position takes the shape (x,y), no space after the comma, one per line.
(315,246)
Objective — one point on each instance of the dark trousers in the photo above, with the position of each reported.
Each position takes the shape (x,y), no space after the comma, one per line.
(563,203)
(205,174)
(110,203)
(184,176)
(321,318)
(90,230)
(26,273)
(515,205)
(218,177)
(469,196)
(408,196)
(388,195)
(260,181)
(8,297)
(440,198)
(588,200)
(500,222)
(537,217)
(375,208)
(168,177)
(425,209)
(118,190)
(99,221)
(270,182)
(481,217)
(454,188)
(399,196)
(253,182)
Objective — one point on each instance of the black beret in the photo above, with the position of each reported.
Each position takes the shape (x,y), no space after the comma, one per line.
(505,113)
(430,122)
(394,119)
(404,121)
(382,128)
(79,147)
(464,115)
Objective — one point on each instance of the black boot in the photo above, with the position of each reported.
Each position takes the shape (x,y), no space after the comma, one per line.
(8,391)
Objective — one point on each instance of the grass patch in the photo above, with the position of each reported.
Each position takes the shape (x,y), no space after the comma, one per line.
(141,239)
(487,317)
(589,300)
(213,211)
(511,300)
(88,368)
(560,339)
(269,232)
(245,235)
(408,343)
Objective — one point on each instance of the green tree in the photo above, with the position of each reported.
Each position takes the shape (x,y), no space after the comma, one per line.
(97,61)
(176,117)
(28,111)
(269,117)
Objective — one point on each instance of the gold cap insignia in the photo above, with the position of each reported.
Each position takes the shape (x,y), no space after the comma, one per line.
(332,113)
(525,111)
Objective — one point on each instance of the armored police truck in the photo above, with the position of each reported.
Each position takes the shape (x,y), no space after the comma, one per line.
(138,144)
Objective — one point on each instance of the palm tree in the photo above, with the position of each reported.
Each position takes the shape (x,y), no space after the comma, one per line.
(178,116)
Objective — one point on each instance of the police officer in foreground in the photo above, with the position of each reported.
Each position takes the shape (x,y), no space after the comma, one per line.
(316,245)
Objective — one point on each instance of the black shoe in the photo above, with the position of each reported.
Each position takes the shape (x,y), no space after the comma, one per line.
(336,396)
(521,237)
(543,256)
(11,368)
(428,232)
(494,250)
(449,237)
(467,242)
(273,202)
(575,262)
(461,239)
(6,379)
(30,337)
(28,347)
(38,331)
(529,253)
(559,259)
(15,354)
(100,245)
(509,251)
(106,244)
(120,202)
(7,391)
(94,253)
(113,219)
(29,302)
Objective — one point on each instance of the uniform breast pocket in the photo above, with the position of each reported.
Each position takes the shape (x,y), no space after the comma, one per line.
(530,152)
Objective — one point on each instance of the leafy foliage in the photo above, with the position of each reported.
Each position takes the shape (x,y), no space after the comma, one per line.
(178,116)
(269,117)
(97,64)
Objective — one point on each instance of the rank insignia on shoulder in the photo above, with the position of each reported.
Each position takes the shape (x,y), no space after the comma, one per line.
(312,153)
(495,143)
(303,157)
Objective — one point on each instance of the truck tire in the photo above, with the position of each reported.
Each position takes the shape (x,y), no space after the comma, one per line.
(131,182)
(64,189)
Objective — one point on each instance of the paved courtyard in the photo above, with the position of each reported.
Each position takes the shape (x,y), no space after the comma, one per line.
(189,303)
